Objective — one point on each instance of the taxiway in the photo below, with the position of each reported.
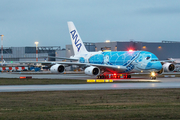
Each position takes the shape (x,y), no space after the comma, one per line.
(171,82)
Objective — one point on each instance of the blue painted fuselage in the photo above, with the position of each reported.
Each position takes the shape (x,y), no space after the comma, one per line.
(135,61)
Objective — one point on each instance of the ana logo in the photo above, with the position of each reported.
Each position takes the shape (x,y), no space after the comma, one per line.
(76,40)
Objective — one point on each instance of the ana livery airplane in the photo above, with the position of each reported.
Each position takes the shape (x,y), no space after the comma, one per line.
(116,62)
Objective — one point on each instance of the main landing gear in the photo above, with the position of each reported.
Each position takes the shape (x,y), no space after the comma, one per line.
(113,76)
(127,76)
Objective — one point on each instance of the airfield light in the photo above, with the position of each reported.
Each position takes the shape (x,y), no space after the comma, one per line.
(107,41)
(130,50)
(153,74)
(159,47)
(115,75)
(2,47)
(22,77)
(36,50)
(144,47)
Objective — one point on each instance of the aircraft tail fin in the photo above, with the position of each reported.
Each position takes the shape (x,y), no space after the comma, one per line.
(78,45)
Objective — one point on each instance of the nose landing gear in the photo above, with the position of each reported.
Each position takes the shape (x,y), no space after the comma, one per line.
(153,78)
(153,75)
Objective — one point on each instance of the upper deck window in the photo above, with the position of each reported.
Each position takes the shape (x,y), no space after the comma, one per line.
(148,57)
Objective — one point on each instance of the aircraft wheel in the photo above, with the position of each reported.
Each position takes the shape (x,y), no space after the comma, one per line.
(118,76)
(153,78)
(129,76)
(103,76)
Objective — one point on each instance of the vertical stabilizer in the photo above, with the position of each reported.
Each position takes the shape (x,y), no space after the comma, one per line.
(77,43)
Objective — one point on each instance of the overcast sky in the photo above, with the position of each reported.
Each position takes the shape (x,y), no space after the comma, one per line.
(22,22)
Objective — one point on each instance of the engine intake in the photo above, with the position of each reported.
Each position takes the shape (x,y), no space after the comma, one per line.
(92,70)
(57,68)
(168,67)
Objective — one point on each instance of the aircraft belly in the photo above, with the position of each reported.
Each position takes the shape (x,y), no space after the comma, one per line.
(114,70)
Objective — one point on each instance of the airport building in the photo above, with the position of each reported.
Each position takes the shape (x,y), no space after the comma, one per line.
(29,53)
(163,50)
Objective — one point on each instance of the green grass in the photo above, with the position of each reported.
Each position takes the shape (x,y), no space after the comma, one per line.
(17,81)
(101,104)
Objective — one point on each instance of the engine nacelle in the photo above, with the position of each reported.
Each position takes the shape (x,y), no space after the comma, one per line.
(168,67)
(92,70)
(57,68)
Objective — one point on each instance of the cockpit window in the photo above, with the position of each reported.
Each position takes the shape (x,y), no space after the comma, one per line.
(148,57)
(154,60)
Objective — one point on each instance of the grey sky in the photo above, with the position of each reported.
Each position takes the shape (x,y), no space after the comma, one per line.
(22,22)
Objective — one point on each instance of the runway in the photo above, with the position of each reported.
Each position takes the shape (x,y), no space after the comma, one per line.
(103,86)
(159,83)
(40,75)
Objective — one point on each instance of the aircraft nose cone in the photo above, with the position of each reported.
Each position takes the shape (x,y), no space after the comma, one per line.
(157,66)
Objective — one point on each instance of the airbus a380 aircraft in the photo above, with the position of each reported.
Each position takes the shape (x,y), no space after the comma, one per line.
(118,62)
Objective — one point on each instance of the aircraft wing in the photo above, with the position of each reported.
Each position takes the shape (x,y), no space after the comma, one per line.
(101,66)
(166,61)
(63,58)
(118,68)
(50,63)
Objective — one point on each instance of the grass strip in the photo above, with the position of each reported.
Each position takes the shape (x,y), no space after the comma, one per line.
(99,104)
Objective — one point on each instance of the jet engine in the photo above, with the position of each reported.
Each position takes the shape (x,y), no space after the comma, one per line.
(57,68)
(92,70)
(168,67)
